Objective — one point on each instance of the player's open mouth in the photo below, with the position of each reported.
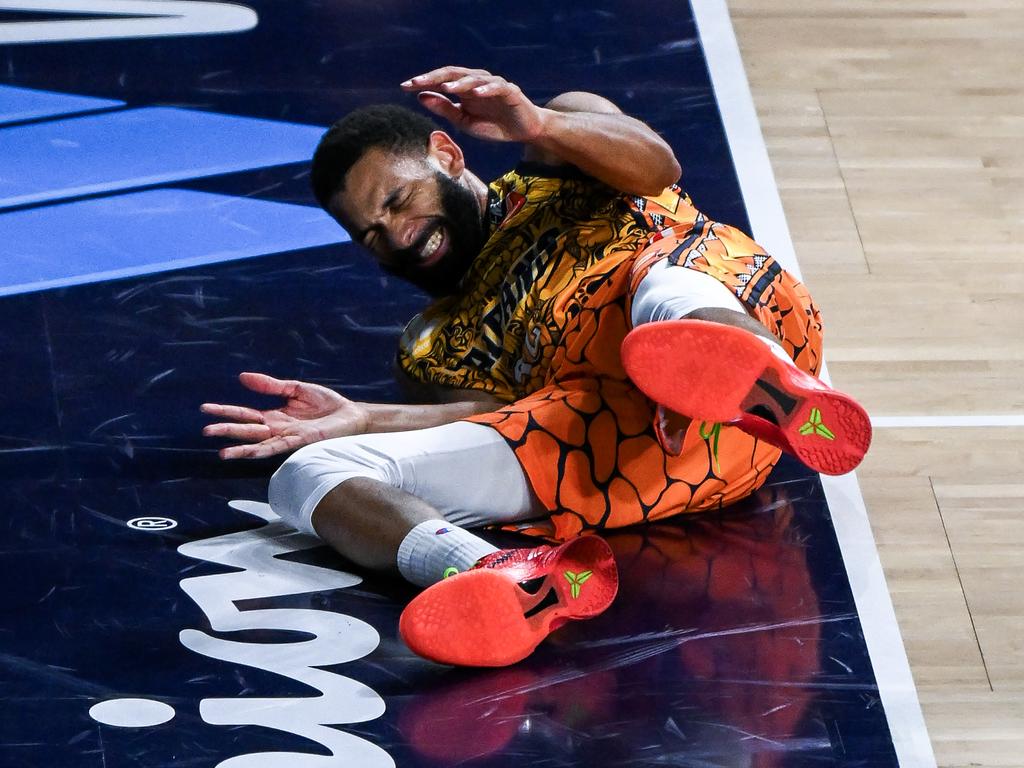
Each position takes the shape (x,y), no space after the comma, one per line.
(434,248)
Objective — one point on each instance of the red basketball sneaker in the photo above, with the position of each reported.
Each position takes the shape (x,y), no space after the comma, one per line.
(496,613)
(718,373)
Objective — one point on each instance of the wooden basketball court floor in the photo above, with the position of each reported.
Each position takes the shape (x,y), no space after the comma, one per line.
(896,134)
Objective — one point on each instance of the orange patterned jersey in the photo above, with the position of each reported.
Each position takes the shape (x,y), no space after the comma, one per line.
(539,325)
(553,232)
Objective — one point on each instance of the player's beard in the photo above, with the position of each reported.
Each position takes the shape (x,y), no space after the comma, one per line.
(464,228)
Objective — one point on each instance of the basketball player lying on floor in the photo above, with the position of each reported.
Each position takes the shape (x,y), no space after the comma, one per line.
(601,354)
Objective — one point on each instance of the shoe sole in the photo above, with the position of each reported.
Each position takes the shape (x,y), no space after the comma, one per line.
(483,618)
(718,373)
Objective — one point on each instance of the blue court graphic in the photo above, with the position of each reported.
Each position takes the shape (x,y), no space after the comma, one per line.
(140,147)
(32,104)
(151,231)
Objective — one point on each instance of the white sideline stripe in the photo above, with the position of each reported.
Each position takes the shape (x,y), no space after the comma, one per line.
(979,420)
(849,516)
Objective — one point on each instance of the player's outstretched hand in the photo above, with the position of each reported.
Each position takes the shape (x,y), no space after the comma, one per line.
(310,413)
(487,107)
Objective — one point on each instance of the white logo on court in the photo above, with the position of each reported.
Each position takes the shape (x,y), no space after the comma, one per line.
(131,713)
(328,639)
(144,18)
(152,523)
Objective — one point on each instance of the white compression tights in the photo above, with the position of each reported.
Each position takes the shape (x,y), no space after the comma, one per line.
(466,471)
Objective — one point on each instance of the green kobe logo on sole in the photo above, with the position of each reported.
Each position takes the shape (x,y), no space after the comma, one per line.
(577,580)
(815,426)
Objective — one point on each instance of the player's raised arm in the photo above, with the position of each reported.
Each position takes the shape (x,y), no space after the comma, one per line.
(583,129)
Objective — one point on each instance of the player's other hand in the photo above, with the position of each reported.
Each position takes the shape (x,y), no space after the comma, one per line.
(309,414)
(478,103)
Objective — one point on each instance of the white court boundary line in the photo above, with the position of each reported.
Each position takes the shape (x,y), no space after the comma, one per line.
(969,420)
(849,516)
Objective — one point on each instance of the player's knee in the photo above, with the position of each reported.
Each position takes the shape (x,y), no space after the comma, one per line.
(735,318)
(312,472)
(719,315)
(293,484)
(672,292)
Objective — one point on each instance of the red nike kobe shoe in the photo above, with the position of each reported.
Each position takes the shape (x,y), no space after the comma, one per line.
(496,613)
(718,373)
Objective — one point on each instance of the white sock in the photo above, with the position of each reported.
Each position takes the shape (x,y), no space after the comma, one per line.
(437,549)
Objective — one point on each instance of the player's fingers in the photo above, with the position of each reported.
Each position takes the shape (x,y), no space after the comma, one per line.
(238,431)
(441,106)
(435,77)
(496,87)
(233,412)
(268,385)
(234,452)
(262,450)
(468,83)
(260,382)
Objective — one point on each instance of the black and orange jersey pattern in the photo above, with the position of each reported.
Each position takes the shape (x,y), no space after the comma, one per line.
(553,231)
(543,326)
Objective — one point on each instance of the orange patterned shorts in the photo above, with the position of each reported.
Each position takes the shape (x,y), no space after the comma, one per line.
(587,439)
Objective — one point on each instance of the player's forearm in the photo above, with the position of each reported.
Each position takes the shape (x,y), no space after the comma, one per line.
(388,417)
(614,148)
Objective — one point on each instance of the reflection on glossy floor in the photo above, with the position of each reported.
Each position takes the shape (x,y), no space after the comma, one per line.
(732,643)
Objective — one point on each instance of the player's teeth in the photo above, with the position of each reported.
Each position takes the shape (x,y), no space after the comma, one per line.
(432,244)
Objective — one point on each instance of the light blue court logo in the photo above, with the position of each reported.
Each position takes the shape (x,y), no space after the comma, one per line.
(30,104)
(72,167)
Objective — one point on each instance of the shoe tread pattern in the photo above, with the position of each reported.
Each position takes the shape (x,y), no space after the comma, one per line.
(852,428)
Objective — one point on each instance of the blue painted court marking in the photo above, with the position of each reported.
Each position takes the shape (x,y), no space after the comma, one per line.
(145,232)
(138,147)
(30,104)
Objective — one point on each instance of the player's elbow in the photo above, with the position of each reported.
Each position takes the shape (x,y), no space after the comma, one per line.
(657,178)
(661,169)
(674,171)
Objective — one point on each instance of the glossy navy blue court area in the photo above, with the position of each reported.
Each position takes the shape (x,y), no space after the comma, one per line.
(158,237)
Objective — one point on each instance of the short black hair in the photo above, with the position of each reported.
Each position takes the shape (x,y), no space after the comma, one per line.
(387,126)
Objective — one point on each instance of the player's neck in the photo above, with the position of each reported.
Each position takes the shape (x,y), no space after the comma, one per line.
(478,188)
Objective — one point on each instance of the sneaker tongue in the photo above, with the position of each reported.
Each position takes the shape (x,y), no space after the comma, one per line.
(496,559)
(525,559)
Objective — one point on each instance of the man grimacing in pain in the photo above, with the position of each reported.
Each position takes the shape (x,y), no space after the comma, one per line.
(598,352)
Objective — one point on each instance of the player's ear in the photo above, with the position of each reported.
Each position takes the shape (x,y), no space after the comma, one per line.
(443,149)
